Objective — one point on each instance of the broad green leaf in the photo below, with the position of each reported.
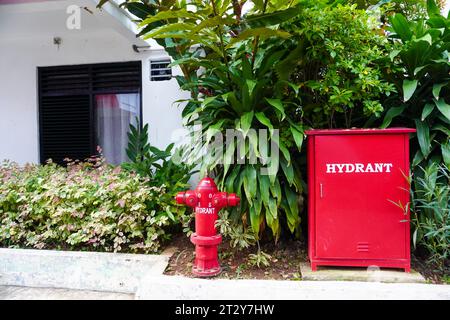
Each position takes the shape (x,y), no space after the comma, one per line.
(101,3)
(231,179)
(230,97)
(284,151)
(391,114)
(228,159)
(401,27)
(246,122)
(168,28)
(264,188)
(254,219)
(409,87)
(270,220)
(423,135)
(273,211)
(213,22)
(253,142)
(445,148)
(140,10)
(393,54)
(264,120)
(426,38)
(208,100)
(418,69)
(298,137)
(273,18)
(278,104)
(275,190)
(250,183)
(444,129)
(292,213)
(270,58)
(432,8)
(427,110)
(288,170)
(418,158)
(169,14)
(287,66)
(443,107)
(213,130)
(262,33)
(437,90)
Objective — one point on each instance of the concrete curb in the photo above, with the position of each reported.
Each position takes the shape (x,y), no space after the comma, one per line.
(372,274)
(180,288)
(114,272)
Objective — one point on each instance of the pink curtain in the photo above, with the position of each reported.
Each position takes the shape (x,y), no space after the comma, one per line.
(114,114)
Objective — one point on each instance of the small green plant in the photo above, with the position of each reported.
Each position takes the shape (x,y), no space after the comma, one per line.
(241,237)
(259,259)
(241,268)
(431,213)
(446,279)
(153,163)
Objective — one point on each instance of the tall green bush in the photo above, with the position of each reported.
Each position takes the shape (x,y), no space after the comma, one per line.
(237,71)
(340,71)
(248,71)
(419,68)
(420,71)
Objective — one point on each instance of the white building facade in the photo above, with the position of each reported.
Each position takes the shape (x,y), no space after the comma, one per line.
(35,35)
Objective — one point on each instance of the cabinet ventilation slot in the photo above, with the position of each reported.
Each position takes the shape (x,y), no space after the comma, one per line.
(362,247)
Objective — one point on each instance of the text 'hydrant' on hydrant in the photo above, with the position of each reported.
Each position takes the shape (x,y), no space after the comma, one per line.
(207,201)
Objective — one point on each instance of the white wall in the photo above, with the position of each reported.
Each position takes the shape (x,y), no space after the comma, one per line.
(26,42)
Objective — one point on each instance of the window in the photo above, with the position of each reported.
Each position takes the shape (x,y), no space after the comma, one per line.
(160,70)
(85,106)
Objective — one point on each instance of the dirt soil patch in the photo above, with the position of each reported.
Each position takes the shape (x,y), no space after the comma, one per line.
(286,257)
(431,272)
(284,262)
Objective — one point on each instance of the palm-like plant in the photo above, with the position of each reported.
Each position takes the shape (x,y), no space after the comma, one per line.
(237,71)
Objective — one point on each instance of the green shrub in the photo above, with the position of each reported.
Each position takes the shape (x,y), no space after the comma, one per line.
(420,71)
(244,71)
(431,213)
(160,167)
(84,206)
(340,72)
(241,87)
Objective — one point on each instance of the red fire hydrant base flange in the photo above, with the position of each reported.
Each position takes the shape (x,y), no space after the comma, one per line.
(206,261)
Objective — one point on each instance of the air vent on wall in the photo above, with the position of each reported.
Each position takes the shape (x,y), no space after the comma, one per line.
(160,70)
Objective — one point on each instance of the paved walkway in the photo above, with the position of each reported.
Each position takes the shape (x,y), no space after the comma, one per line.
(34,274)
(27,293)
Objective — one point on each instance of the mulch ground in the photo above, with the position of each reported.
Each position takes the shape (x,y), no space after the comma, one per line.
(284,263)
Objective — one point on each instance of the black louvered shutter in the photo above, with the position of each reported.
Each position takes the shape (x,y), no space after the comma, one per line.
(65,127)
(66,105)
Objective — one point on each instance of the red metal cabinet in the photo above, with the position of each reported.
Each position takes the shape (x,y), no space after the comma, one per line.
(353,175)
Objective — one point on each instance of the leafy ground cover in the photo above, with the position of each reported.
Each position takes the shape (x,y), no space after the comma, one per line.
(84,206)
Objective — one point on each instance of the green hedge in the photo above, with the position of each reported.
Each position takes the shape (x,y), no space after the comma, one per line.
(87,206)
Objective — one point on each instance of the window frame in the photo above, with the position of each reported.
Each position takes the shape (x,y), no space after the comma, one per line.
(91,92)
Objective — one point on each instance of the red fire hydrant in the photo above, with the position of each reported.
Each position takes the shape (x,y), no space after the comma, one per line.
(207,201)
